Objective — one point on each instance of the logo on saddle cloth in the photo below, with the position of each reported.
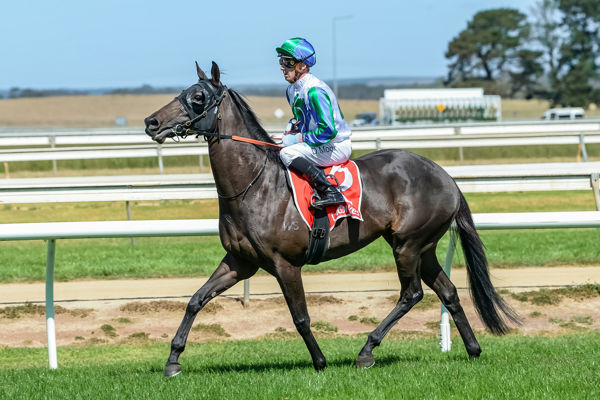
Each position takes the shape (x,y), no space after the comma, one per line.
(350,186)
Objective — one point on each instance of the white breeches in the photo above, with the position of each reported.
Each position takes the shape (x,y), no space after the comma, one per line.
(325,155)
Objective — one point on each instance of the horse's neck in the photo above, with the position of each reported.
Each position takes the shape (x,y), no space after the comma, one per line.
(234,163)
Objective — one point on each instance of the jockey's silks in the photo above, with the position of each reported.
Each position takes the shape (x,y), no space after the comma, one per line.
(316,108)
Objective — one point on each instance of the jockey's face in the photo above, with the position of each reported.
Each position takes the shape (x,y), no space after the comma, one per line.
(292,74)
(289,73)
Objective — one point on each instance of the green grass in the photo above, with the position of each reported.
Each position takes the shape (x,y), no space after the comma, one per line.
(199,256)
(510,367)
(444,156)
(84,167)
(554,296)
(24,261)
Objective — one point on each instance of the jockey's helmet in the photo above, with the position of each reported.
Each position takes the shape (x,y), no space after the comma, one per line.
(299,49)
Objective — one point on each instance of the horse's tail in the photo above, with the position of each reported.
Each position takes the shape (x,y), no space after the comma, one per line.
(489,305)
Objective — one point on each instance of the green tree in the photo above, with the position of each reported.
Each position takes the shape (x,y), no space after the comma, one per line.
(579,66)
(525,78)
(568,33)
(488,47)
(548,33)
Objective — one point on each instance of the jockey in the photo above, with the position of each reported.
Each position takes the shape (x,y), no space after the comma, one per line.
(318,135)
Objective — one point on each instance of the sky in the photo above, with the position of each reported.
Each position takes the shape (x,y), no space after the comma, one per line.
(79,44)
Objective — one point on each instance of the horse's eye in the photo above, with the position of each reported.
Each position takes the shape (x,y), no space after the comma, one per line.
(198,97)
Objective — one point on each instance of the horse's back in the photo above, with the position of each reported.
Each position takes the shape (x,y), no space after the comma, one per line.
(407,187)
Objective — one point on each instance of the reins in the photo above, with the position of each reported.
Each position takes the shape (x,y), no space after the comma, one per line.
(186,129)
(245,190)
(242,139)
(181,131)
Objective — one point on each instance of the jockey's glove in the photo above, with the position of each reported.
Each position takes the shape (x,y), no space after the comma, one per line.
(290,138)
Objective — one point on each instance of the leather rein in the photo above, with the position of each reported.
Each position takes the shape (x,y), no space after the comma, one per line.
(188,128)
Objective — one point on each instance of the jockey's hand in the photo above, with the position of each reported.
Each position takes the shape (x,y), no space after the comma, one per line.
(290,138)
(292,126)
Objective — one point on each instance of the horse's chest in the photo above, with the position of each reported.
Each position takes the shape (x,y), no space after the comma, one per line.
(237,239)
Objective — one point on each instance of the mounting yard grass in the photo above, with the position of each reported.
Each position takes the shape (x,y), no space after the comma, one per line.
(564,367)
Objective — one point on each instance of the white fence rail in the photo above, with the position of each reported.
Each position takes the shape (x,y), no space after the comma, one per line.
(133,143)
(106,229)
(473,178)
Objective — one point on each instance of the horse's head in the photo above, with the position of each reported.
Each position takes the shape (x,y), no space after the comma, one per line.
(195,109)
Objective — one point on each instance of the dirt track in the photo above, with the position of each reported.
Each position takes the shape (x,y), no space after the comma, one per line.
(113,312)
(513,279)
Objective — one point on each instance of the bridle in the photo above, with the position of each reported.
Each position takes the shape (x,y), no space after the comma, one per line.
(207,127)
(205,124)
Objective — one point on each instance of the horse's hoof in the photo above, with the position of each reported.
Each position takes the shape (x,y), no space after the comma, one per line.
(320,366)
(365,362)
(172,370)
(474,353)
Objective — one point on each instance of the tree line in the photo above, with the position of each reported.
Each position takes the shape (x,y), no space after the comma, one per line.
(554,55)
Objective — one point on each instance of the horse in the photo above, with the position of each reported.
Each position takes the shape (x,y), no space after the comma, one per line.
(408,199)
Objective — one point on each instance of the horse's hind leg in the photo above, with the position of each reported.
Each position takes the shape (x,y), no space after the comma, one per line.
(407,263)
(228,273)
(438,281)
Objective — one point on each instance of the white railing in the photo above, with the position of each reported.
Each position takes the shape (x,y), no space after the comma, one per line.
(472,178)
(108,229)
(133,143)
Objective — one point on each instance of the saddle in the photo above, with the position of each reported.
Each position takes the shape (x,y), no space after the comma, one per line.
(346,177)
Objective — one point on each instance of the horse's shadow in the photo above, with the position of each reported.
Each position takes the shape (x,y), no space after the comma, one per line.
(241,366)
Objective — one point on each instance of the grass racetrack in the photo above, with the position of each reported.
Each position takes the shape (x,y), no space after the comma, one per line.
(513,367)
(561,363)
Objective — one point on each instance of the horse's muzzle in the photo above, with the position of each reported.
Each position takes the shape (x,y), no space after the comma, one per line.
(153,129)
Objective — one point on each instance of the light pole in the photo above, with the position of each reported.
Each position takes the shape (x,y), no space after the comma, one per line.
(333,21)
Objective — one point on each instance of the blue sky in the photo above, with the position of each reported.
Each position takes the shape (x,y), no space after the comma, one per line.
(105,44)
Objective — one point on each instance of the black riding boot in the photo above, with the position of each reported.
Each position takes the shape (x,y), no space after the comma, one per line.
(328,194)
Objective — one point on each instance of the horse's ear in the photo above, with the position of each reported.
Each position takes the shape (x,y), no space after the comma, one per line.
(215,75)
(201,74)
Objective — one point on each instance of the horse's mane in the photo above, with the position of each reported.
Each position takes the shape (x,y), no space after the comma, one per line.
(253,124)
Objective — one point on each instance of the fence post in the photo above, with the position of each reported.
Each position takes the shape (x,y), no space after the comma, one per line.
(594,180)
(160,160)
(128,209)
(52,140)
(50,327)
(461,156)
(582,147)
(445,341)
(246,292)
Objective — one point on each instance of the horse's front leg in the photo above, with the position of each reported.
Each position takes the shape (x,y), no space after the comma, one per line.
(290,280)
(228,273)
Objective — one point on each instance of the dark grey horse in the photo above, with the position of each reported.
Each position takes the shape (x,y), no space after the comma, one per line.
(408,199)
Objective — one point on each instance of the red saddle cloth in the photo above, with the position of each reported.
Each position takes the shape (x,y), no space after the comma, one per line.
(350,186)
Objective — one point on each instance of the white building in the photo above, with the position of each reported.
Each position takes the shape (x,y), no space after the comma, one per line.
(438,105)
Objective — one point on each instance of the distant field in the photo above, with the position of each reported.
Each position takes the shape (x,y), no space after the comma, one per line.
(100,111)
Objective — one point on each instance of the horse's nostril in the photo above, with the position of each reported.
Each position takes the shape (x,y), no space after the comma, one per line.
(151,123)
